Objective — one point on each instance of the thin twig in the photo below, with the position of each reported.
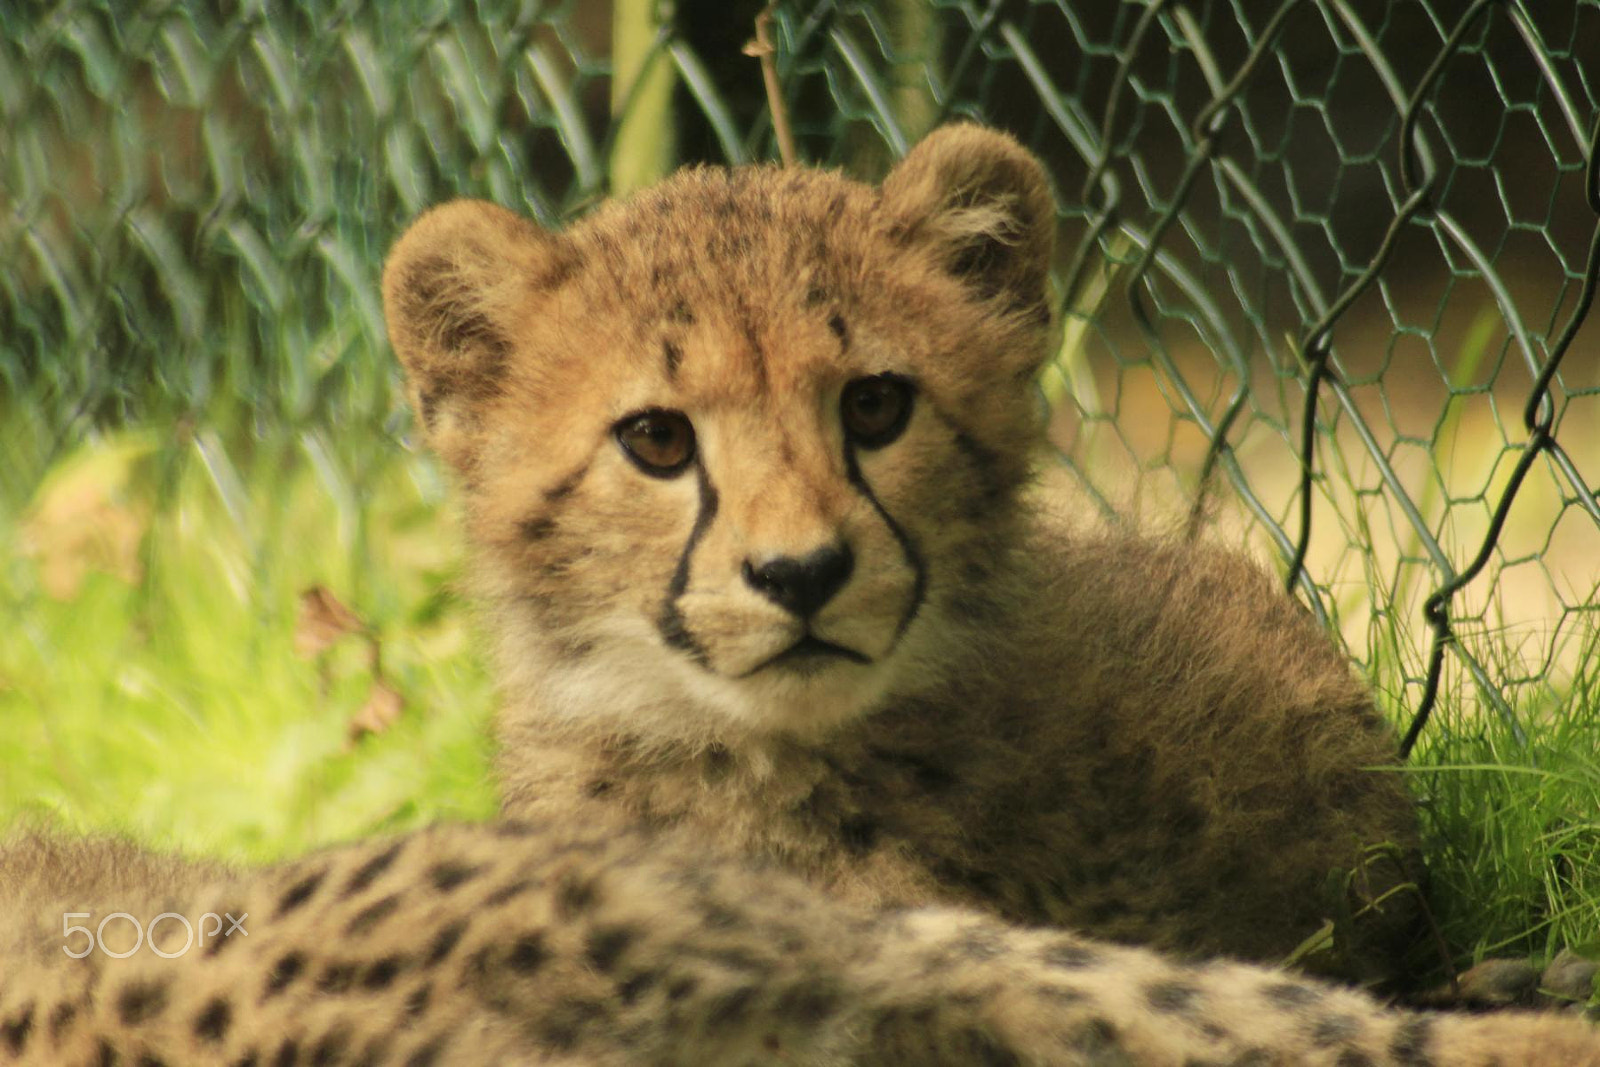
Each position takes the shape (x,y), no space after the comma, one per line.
(762,48)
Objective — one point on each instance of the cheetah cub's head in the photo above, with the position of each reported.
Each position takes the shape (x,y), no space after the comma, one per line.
(741,452)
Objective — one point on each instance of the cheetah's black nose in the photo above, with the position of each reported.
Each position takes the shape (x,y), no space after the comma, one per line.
(802,584)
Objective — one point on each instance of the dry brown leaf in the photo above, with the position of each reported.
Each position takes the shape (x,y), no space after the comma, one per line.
(88,520)
(322,620)
(382,709)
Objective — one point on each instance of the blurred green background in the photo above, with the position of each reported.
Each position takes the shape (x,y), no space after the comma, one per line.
(227,603)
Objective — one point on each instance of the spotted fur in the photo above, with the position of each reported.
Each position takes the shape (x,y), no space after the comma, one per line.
(559,944)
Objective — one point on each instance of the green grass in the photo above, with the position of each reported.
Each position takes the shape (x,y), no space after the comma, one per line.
(150,682)
(1514,831)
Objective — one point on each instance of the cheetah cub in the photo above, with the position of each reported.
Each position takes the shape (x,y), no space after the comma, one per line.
(744,460)
(803,701)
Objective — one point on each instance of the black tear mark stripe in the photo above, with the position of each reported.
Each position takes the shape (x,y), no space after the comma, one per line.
(670,621)
(908,547)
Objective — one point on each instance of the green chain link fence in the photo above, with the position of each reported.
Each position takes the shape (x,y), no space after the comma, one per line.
(1325,263)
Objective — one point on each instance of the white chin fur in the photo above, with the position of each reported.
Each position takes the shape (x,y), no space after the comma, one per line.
(632,684)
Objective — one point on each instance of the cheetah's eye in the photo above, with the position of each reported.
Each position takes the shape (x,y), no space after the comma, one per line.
(875,410)
(660,443)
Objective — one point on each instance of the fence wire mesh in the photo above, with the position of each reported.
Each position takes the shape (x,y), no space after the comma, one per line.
(1325,260)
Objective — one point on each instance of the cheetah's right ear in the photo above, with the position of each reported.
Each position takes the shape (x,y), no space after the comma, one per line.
(457,290)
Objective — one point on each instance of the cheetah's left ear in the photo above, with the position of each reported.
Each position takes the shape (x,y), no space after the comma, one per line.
(984,202)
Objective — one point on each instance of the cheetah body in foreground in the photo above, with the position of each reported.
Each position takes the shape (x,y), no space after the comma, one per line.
(526,944)
(807,707)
